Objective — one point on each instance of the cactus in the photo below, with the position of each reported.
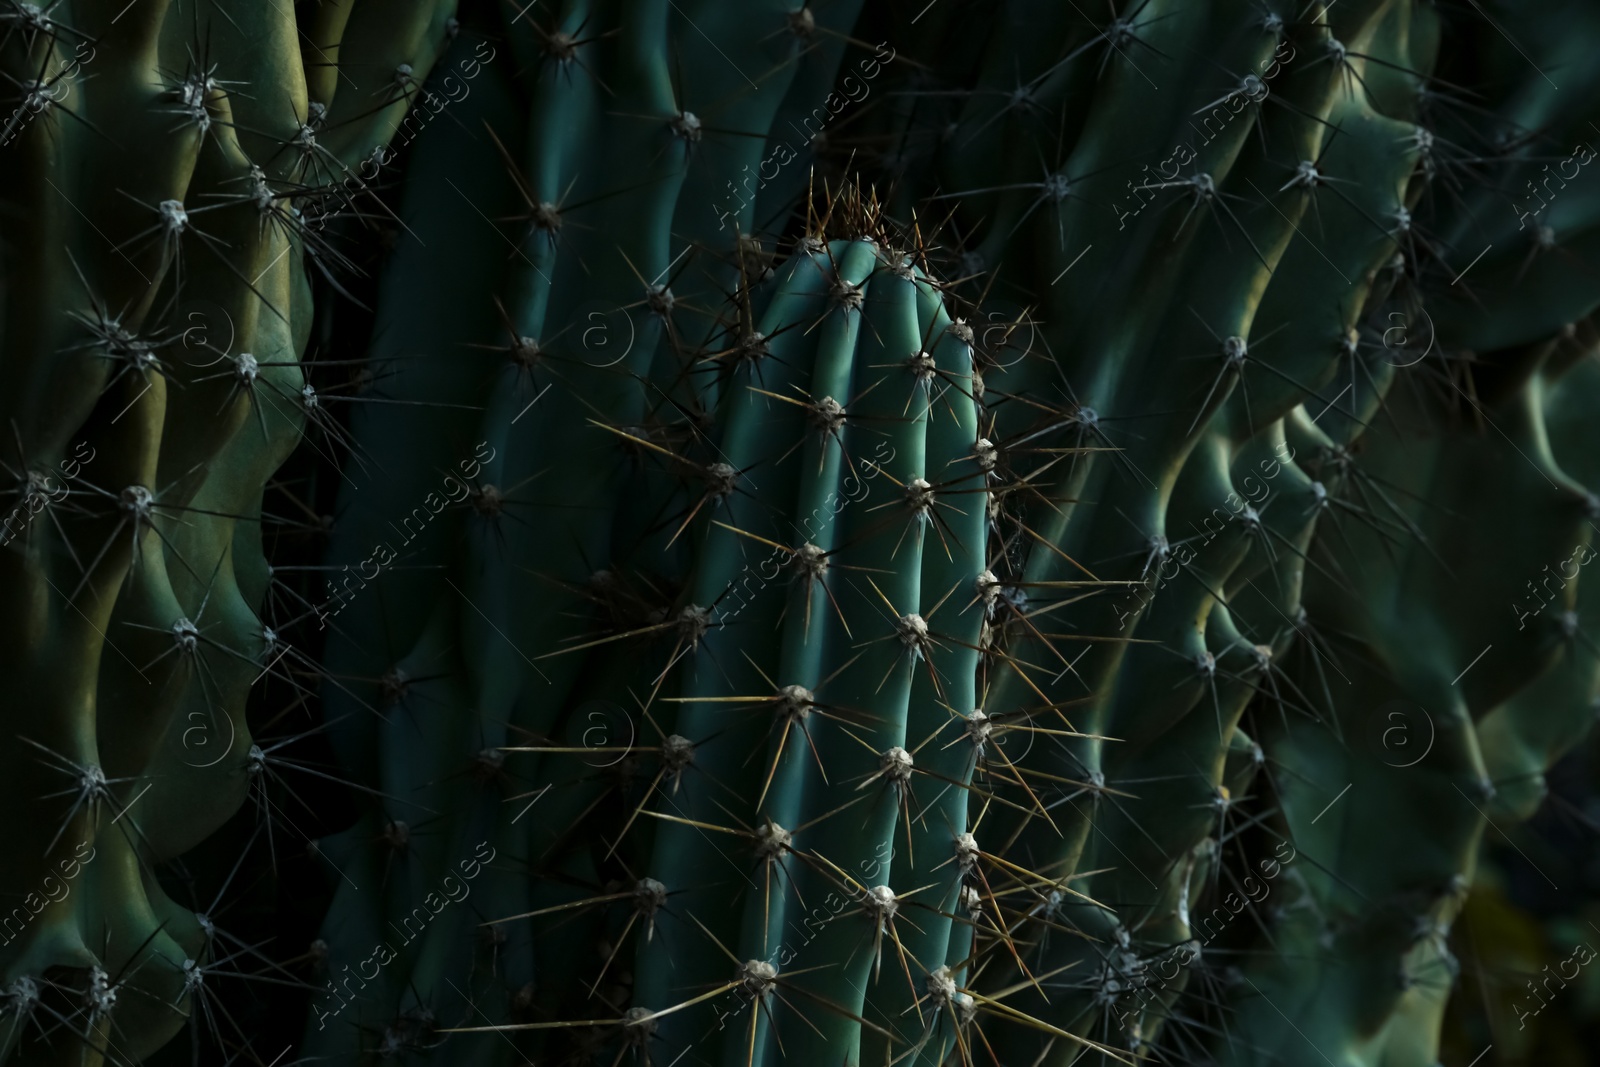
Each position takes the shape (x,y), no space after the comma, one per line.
(1219,534)
(944,534)
(160,164)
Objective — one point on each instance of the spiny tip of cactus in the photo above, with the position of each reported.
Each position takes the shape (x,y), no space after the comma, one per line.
(686,124)
(23,992)
(640,1022)
(794,703)
(919,496)
(967,853)
(1023,98)
(913,632)
(136,500)
(649,895)
(986,454)
(1305,174)
(659,299)
(185,635)
(309,399)
(880,903)
(772,840)
(1544,237)
(488,763)
(895,765)
(392,686)
(693,622)
(941,986)
(811,560)
(38,96)
(923,366)
(677,752)
(546,216)
(487,500)
(397,835)
(31,16)
(753,347)
(247,368)
(173,215)
(101,995)
(960,331)
(1568,622)
(255,761)
(1086,417)
(972,900)
(1262,655)
(561,46)
(847,294)
(1206,663)
(757,977)
(827,414)
(525,351)
(802,23)
(720,479)
(979,728)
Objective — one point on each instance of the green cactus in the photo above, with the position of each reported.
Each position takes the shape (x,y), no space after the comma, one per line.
(1219,517)
(159,161)
(871,534)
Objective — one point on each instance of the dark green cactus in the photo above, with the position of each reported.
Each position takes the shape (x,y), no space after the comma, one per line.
(1201,456)
(872,534)
(158,163)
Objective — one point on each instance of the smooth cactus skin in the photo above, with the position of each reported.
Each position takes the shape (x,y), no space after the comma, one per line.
(936,591)
(156,159)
